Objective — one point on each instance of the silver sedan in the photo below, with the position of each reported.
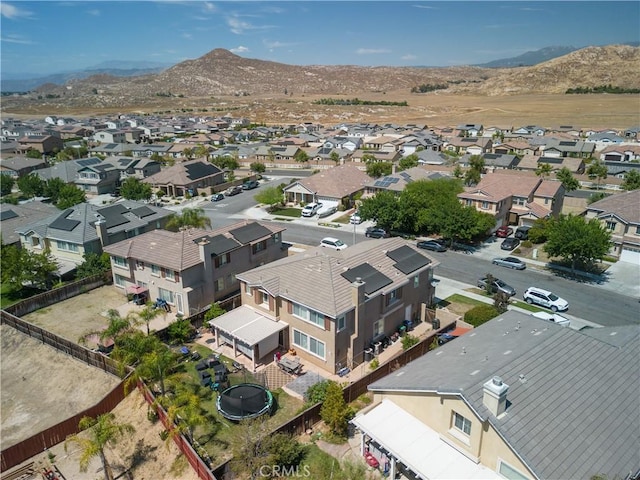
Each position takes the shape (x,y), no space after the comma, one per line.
(510,262)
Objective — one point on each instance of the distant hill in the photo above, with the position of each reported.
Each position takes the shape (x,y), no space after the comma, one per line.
(530,58)
(116,68)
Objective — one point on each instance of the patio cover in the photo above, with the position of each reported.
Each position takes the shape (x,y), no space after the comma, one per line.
(417,446)
(247,325)
(136,289)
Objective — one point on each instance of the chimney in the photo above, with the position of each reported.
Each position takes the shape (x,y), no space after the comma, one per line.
(495,396)
(101,230)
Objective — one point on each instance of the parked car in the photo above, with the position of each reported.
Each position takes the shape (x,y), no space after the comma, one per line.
(355,219)
(545,298)
(553,317)
(510,262)
(310,209)
(504,231)
(522,233)
(497,286)
(375,232)
(333,243)
(229,192)
(510,243)
(250,185)
(327,212)
(431,245)
(216,197)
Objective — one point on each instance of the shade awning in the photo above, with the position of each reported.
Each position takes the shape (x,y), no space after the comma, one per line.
(247,325)
(137,289)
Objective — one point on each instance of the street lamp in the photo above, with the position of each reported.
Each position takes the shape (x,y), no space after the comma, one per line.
(354,233)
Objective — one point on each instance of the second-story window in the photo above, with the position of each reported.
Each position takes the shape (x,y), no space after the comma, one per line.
(155,270)
(119,261)
(223,259)
(170,274)
(611,226)
(259,247)
(461,423)
(393,297)
(485,205)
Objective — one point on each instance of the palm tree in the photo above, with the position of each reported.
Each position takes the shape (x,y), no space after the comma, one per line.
(101,432)
(156,364)
(190,217)
(148,313)
(544,170)
(201,151)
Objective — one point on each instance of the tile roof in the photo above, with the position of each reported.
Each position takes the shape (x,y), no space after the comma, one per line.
(331,292)
(336,182)
(184,173)
(16,216)
(572,400)
(498,186)
(625,206)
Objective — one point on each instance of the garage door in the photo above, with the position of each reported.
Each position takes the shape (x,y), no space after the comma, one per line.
(630,255)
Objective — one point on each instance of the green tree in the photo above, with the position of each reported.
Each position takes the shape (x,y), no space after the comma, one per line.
(6,184)
(474,173)
(594,197)
(271,196)
(334,411)
(134,189)
(180,331)
(407,162)
(148,313)
(156,364)
(335,156)
(188,218)
(459,222)
(383,208)
(201,151)
(184,411)
(631,180)
(577,240)
(22,267)
(31,185)
(94,264)
(69,196)
(538,231)
(188,153)
(501,301)
(409,341)
(248,445)
(457,171)
(215,310)
(379,169)
(544,170)
(597,170)
(301,156)
(33,153)
(567,179)
(52,189)
(257,167)
(102,431)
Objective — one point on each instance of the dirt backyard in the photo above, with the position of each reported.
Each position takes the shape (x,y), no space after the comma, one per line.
(41,386)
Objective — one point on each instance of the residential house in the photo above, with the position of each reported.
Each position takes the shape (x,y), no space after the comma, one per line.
(45,144)
(575,165)
(333,306)
(470,145)
(432,157)
(620,214)
(193,268)
(383,143)
(71,233)
(530,130)
(110,135)
(568,148)
(493,404)
(515,199)
(66,132)
(515,147)
(276,156)
(133,167)
(360,155)
(496,161)
(98,179)
(332,187)
(323,158)
(186,177)
(604,139)
(621,153)
(14,217)
(469,130)
(621,169)
(67,170)
(632,133)
(148,150)
(17,167)
(396,182)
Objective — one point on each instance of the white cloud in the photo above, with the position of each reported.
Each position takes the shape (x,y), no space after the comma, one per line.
(12,12)
(426,7)
(277,44)
(372,51)
(94,12)
(239,49)
(238,26)
(408,56)
(188,36)
(17,39)
(209,7)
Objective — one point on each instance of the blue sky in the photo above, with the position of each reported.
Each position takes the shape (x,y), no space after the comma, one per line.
(56,36)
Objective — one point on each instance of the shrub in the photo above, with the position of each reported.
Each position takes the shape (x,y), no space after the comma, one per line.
(527,244)
(517,251)
(375,363)
(480,314)
(409,341)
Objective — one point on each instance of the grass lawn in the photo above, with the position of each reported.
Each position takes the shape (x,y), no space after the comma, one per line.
(526,306)
(9,296)
(342,219)
(286,212)
(459,304)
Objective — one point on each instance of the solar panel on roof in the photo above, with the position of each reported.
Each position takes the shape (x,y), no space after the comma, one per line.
(113,215)
(200,170)
(142,212)
(65,224)
(249,233)
(374,279)
(221,244)
(407,259)
(7,214)
(110,145)
(550,160)
(565,143)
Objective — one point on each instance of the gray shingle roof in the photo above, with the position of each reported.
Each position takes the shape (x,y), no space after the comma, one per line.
(330,292)
(573,408)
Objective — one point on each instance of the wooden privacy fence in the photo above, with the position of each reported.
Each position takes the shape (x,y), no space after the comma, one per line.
(56,295)
(198,465)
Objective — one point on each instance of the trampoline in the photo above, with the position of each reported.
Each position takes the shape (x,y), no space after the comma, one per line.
(243,401)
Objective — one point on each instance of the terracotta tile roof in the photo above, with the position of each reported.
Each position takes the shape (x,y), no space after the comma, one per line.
(548,188)
(625,206)
(498,186)
(337,182)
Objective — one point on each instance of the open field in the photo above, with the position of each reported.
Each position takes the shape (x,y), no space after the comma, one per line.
(432,109)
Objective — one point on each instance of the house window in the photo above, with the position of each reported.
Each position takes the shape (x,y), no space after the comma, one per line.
(247,289)
(469,202)
(118,280)
(222,259)
(308,315)
(519,201)
(611,225)
(416,281)
(119,261)
(308,343)
(219,284)
(165,295)
(264,298)
(259,247)
(507,471)
(485,205)
(393,297)
(341,323)
(378,327)
(277,237)
(461,423)
(66,246)
(638,230)
(155,270)
(170,274)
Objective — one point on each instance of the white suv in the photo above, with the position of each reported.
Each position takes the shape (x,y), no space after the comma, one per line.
(546,299)
(311,209)
(334,243)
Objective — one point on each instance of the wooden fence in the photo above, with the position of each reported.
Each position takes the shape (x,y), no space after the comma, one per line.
(56,295)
